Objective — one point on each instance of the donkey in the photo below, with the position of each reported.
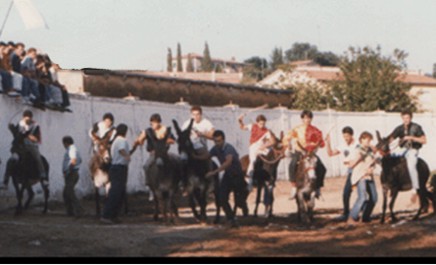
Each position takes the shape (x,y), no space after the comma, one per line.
(194,172)
(265,175)
(163,175)
(99,169)
(24,171)
(395,178)
(306,185)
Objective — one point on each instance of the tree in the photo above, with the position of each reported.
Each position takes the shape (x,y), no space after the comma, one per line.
(276,58)
(189,65)
(309,96)
(179,58)
(169,61)
(372,82)
(326,59)
(256,68)
(206,63)
(434,70)
(301,51)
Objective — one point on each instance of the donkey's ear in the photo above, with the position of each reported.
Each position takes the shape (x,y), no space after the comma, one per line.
(282,135)
(190,125)
(378,136)
(176,125)
(168,133)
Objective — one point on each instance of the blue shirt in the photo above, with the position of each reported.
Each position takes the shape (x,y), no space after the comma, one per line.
(70,154)
(235,168)
(28,65)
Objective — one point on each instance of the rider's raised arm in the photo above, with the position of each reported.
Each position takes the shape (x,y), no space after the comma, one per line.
(330,151)
(241,123)
(141,138)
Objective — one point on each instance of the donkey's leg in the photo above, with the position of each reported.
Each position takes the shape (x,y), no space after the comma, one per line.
(258,194)
(97,201)
(394,194)
(20,191)
(156,208)
(385,199)
(31,194)
(203,205)
(193,205)
(422,203)
(46,196)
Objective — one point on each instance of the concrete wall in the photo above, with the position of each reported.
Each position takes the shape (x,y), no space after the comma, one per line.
(73,80)
(135,114)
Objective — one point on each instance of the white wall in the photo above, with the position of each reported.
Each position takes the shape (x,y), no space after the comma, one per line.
(73,80)
(86,111)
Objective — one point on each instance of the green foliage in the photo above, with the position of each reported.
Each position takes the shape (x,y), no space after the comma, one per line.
(179,58)
(301,51)
(434,70)
(326,59)
(276,58)
(256,68)
(371,82)
(169,61)
(309,96)
(206,63)
(189,65)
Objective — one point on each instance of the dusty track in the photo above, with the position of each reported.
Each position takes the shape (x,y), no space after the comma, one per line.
(54,234)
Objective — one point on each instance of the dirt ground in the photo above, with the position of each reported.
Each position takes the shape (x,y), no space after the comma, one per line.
(55,234)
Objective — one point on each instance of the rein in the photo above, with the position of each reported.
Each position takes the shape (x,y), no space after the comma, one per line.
(273,161)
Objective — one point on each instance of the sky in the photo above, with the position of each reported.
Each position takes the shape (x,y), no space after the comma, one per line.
(135,34)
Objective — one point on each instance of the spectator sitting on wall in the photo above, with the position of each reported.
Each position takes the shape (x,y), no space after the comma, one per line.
(55,81)
(15,54)
(5,76)
(30,90)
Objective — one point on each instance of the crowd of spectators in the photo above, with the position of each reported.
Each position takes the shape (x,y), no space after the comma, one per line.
(32,76)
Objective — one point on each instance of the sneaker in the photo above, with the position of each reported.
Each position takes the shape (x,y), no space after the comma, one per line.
(341,218)
(318,193)
(44,182)
(106,221)
(150,197)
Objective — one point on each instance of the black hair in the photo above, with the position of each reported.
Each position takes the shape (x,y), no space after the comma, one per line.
(122,130)
(219,133)
(68,140)
(307,113)
(108,116)
(348,130)
(155,118)
(407,112)
(28,113)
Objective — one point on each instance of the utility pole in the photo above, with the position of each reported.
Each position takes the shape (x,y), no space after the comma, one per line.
(6,18)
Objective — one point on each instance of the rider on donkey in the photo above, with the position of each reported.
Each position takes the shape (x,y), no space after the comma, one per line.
(101,129)
(260,140)
(412,137)
(307,137)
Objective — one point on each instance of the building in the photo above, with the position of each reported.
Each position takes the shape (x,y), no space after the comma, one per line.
(220,65)
(307,72)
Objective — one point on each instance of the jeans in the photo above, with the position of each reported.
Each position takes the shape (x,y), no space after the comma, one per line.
(30,89)
(347,194)
(363,203)
(118,180)
(71,202)
(236,184)
(6,80)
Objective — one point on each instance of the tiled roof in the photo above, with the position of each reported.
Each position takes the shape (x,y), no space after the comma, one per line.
(233,78)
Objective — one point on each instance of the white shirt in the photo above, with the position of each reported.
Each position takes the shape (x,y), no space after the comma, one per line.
(347,151)
(204,126)
(70,154)
(119,144)
(102,130)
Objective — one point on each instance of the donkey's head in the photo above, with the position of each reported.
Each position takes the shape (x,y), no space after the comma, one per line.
(278,147)
(184,140)
(18,141)
(161,148)
(382,144)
